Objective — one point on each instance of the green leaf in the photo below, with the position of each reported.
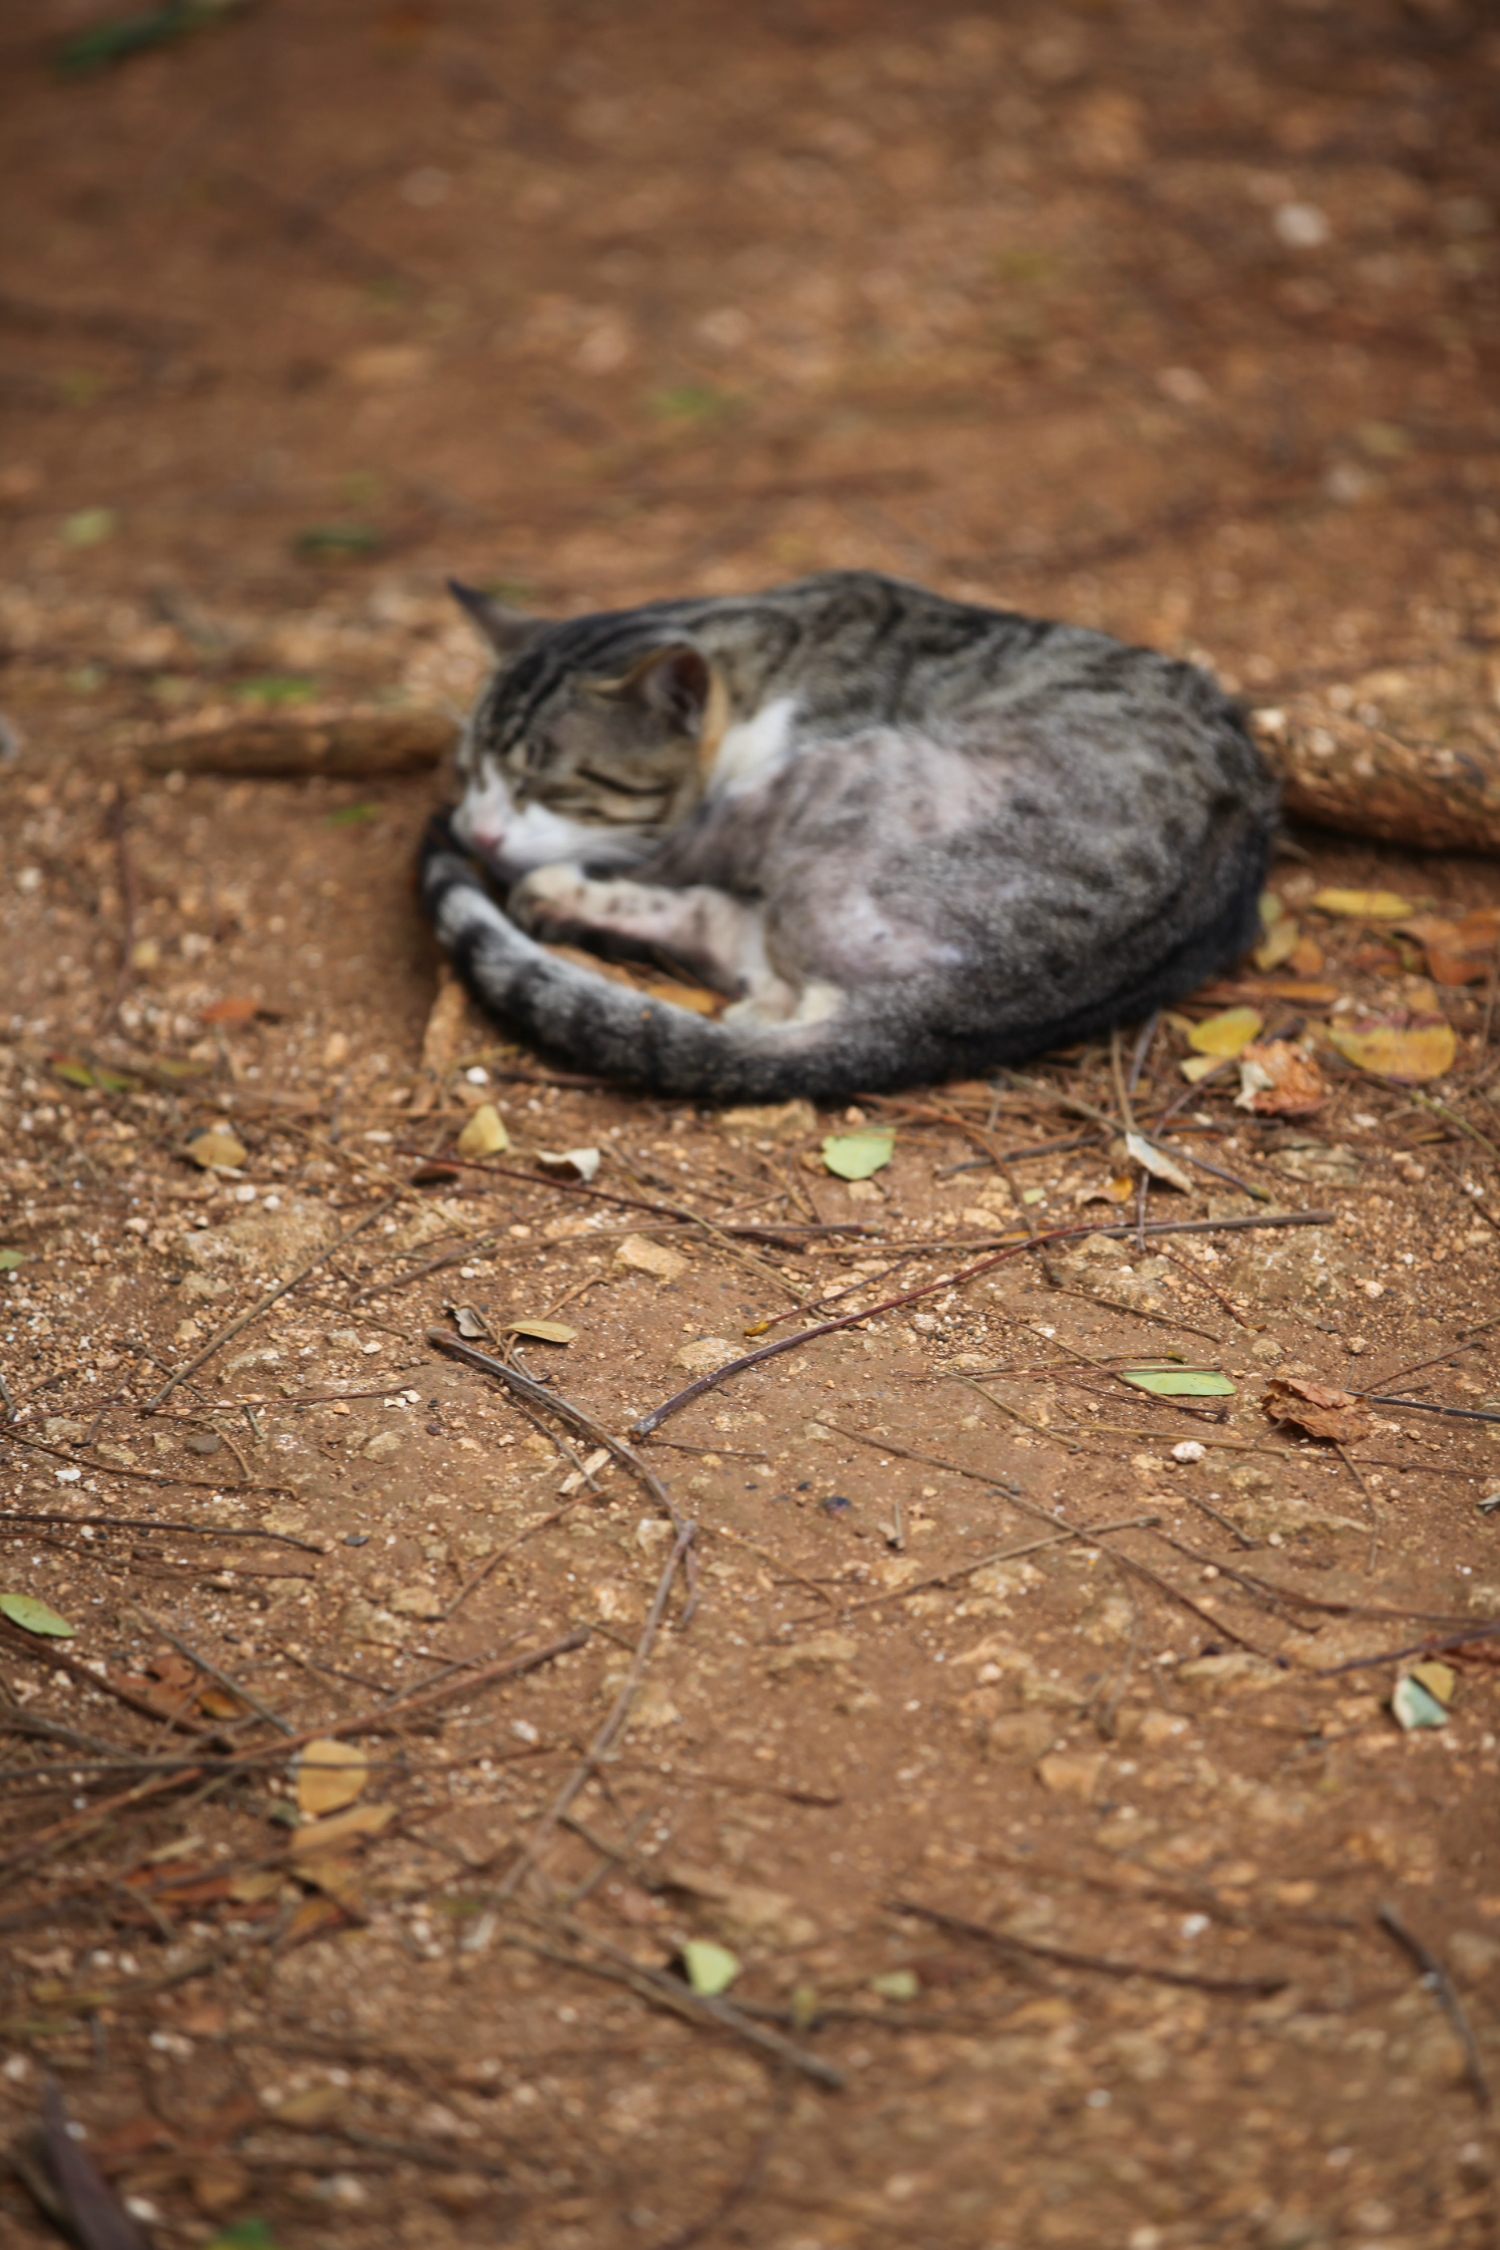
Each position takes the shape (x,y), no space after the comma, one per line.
(1413,1706)
(348,816)
(854,1156)
(334,540)
(34,1616)
(710,1968)
(1179,1382)
(76,1073)
(276,687)
(897,1984)
(10,1259)
(87,527)
(243,2234)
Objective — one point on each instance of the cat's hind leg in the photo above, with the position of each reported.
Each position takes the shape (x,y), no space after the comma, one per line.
(720,939)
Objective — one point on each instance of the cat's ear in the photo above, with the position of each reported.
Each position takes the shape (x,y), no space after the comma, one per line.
(507,630)
(672,683)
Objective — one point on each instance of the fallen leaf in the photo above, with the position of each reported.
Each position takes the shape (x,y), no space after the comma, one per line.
(217,1150)
(854,1156)
(1412,1706)
(471,1325)
(1225,1034)
(568,1163)
(642,1255)
(710,1968)
(1439,1679)
(1179,1382)
(1279,944)
(237,1008)
(1279,1080)
(10,1259)
(1194,1067)
(1363,906)
(545,1331)
(330,1775)
(1461,952)
(1316,1408)
(1409,1056)
(897,1984)
(34,1616)
(244,2234)
(1157,1162)
(311,2107)
(341,1829)
(485,1133)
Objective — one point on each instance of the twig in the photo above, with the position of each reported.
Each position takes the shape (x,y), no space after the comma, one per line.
(659,1414)
(613,1722)
(478,1577)
(474,1247)
(1083,1531)
(741,2187)
(206,1664)
(1455,1117)
(1440,1985)
(131,897)
(162,1523)
(1175,1593)
(537,1394)
(696,2007)
(932,1460)
(263,1304)
(1426,1406)
(1101,1964)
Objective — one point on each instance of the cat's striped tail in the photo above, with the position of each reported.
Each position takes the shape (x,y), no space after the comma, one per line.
(611,1028)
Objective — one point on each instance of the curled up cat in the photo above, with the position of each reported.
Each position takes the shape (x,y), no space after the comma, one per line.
(909,838)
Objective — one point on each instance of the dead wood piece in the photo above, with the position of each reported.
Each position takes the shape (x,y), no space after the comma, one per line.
(1438,1982)
(1100,1964)
(1364,781)
(354,746)
(709,1382)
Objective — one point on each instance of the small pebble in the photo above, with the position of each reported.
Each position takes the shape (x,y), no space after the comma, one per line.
(202,1441)
(356,1539)
(1189,1450)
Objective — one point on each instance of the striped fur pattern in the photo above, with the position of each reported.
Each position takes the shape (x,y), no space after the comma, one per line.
(910,838)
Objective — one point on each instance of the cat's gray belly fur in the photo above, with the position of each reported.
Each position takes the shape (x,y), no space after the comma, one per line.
(981,837)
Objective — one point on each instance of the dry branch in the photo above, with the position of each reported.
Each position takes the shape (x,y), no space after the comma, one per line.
(360,746)
(1340,773)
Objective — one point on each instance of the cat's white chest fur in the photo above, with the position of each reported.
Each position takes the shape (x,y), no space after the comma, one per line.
(751,747)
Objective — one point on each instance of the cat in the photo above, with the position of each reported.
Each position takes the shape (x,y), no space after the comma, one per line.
(913,839)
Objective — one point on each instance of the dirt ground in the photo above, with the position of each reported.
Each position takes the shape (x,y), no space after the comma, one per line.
(1024,1737)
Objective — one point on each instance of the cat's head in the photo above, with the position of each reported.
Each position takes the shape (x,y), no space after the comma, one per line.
(587,739)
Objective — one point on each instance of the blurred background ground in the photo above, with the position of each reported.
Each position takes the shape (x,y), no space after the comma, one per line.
(1178,320)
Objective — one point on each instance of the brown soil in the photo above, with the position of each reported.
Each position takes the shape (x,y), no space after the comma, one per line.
(1177,320)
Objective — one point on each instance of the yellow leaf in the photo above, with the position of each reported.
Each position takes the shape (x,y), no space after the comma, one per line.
(1279,944)
(545,1331)
(312,2106)
(485,1133)
(217,1150)
(1438,1679)
(1271,909)
(1363,906)
(330,1775)
(341,1828)
(1225,1034)
(1409,1057)
(1194,1067)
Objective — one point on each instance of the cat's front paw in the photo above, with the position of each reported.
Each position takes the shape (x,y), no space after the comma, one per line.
(549,901)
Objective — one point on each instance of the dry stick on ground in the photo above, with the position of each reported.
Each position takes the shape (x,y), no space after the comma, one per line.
(1020,1155)
(206,1664)
(473,1246)
(1439,1984)
(161,1523)
(1176,1594)
(1100,1964)
(47,1652)
(1038,1429)
(679,1399)
(478,1577)
(131,897)
(695,2007)
(932,1460)
(139,1476)
(743,2186)
(264,1303)
(1083,1531)
(385,1721)
(614,1721)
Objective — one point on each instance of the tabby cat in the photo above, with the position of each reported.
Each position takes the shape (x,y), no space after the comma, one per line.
(911,838)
